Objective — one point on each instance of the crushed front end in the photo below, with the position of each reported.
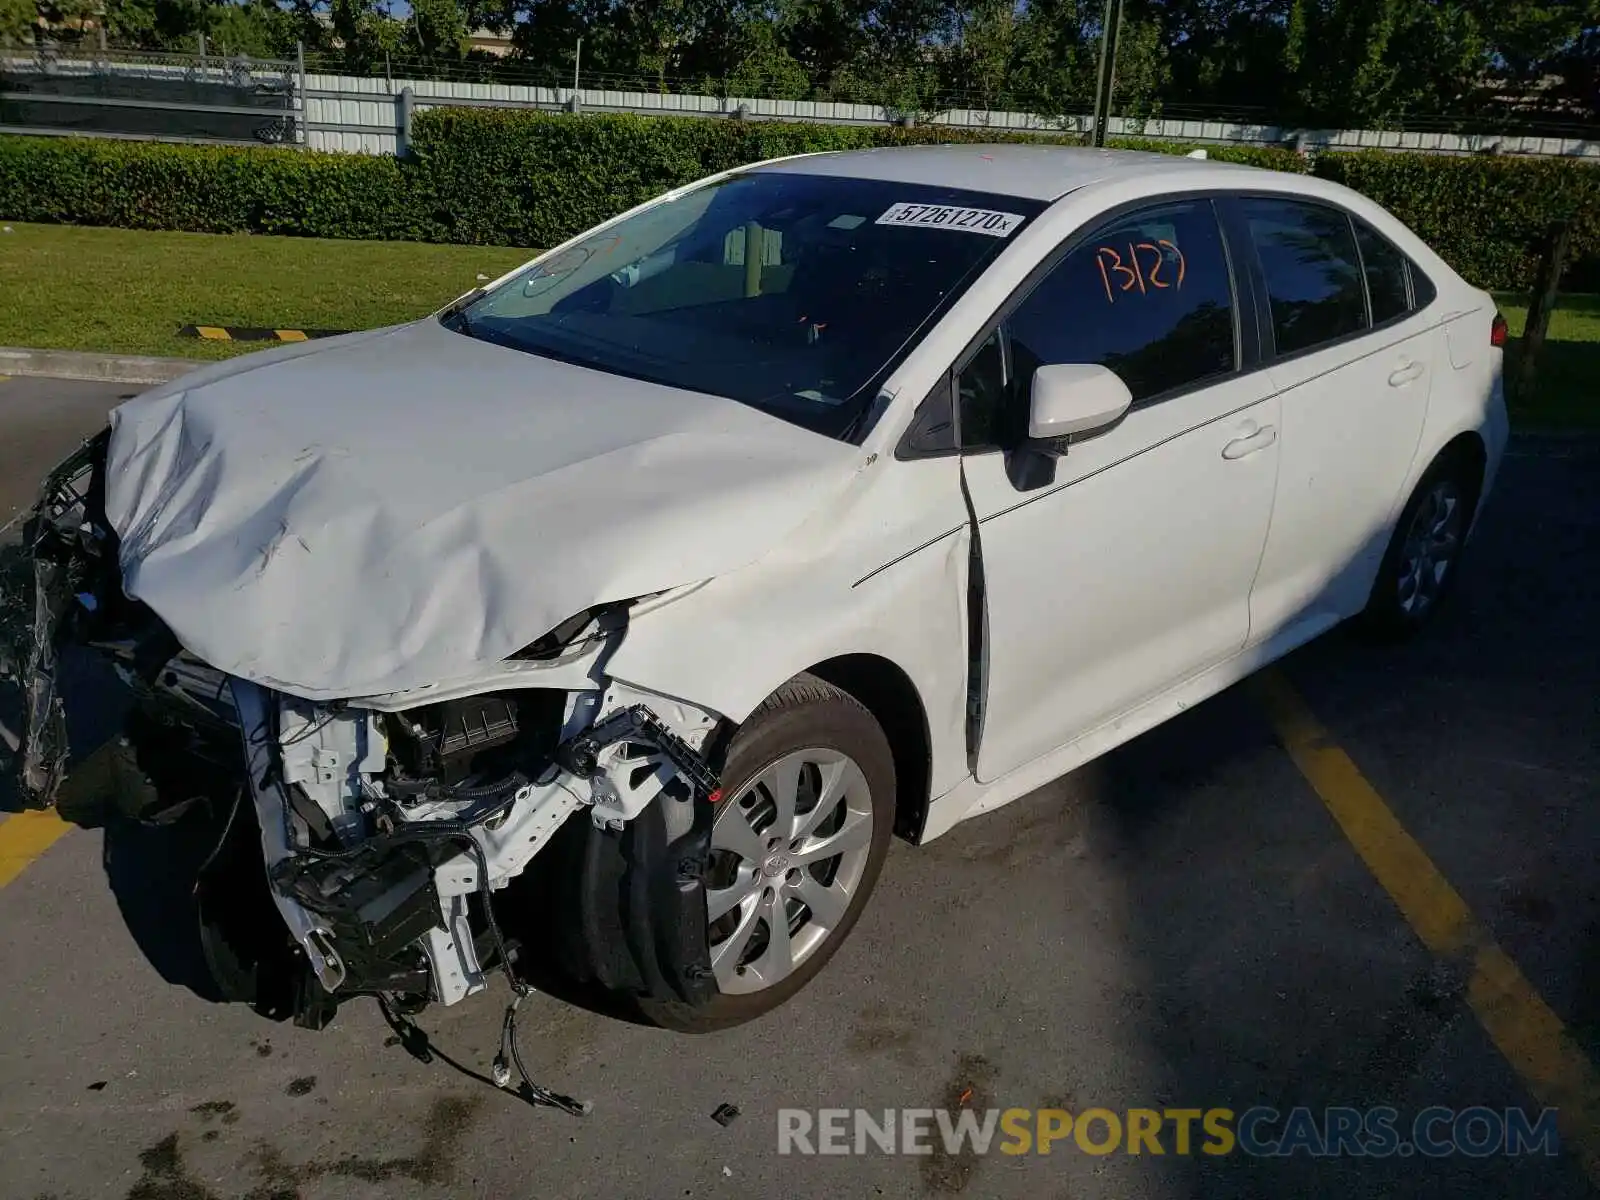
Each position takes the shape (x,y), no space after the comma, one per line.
(370,846)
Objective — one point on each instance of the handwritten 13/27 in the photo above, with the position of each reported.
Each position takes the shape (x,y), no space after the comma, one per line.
(1133,273)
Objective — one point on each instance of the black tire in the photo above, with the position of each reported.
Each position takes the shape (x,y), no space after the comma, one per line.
(805,712)
(577,911)
(1398,606)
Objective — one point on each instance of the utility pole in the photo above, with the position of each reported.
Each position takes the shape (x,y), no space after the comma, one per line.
(577,61)
(1111,26)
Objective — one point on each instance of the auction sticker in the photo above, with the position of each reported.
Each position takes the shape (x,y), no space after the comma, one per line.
(948,216)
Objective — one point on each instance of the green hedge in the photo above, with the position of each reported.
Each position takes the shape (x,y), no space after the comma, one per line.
(205,189)
(513,177)
(1486,215)
(528,179)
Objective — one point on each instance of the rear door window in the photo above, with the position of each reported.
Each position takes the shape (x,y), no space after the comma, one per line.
(1313,272)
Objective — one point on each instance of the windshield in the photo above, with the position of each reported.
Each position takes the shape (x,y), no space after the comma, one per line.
(793,293)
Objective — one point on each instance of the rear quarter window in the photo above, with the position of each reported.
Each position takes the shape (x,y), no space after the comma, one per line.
(1386,272)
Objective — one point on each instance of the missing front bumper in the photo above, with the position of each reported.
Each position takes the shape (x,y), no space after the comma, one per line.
(62,548)
(401,920)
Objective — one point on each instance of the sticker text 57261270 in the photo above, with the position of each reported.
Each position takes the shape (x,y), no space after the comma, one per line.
(950,216)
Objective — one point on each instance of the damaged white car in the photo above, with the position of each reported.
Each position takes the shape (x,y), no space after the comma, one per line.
(607,624)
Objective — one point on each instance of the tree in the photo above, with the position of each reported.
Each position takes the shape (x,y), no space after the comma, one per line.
(1290,62)
(983,58)
(764,66)
(259,29)
(824,36)
(1224,52)
(17,19)
(1058,62)
(437,29)
(1373,62)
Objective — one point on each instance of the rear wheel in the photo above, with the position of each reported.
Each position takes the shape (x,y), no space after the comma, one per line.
(1421,563)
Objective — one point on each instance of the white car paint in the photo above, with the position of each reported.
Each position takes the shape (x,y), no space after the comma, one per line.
(789,617)
(324,522)
(1132,571)
(329,549)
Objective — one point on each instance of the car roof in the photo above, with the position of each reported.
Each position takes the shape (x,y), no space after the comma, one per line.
(1032,171)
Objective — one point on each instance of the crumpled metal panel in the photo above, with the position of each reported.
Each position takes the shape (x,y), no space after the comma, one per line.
(408,508)
(43,749)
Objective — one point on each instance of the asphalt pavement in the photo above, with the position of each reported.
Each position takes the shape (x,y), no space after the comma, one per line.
(1202,919)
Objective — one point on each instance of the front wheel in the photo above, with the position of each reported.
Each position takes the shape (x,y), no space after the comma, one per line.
(799,839)
(796,844)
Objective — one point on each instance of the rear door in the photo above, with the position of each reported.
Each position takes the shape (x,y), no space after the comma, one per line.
(1130,569)
(1353,359)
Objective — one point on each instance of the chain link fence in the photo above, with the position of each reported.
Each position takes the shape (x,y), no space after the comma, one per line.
(161,96)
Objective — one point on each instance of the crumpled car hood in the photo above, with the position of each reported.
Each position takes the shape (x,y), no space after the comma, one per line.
(410,506)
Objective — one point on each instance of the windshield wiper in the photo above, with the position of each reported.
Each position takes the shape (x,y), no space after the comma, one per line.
(456,310)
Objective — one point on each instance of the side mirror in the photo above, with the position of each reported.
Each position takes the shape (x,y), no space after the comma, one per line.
(1074,398)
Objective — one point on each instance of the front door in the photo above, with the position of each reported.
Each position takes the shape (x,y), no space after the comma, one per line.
(1132,569)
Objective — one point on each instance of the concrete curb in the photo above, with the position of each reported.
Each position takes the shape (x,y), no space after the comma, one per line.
(106,368)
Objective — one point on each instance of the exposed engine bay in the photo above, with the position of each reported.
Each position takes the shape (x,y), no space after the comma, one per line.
(388,831)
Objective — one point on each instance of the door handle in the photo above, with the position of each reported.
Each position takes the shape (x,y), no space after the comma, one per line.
(1250,443)
(1405,373)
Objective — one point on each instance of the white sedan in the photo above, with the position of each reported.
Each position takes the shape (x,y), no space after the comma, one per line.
(604,627)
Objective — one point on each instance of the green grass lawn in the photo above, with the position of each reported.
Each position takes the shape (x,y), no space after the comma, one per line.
(121,290)
(128,291)
(1567,389)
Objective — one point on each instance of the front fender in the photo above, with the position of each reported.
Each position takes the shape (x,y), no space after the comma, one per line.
(729,644)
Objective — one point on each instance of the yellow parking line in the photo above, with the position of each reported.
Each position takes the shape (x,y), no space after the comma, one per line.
(24,837)
(1522,1026)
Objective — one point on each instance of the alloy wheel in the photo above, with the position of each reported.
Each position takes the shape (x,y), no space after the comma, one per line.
(788,853)
(1431,546)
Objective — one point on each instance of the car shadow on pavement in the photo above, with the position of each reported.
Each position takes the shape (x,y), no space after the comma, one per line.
(1276,970)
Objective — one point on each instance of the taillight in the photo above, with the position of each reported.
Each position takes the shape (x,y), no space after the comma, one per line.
(1498,333)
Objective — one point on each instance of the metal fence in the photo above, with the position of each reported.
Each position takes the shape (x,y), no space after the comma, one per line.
(166,97)
(188,97)
(369,115)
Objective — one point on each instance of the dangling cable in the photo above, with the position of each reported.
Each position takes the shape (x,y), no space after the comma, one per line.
(417,1043)
(530,1091)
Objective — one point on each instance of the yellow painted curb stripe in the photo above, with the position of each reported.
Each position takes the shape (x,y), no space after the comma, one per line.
(290,335)
(215,332)
(1521,1025)
(24,837)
